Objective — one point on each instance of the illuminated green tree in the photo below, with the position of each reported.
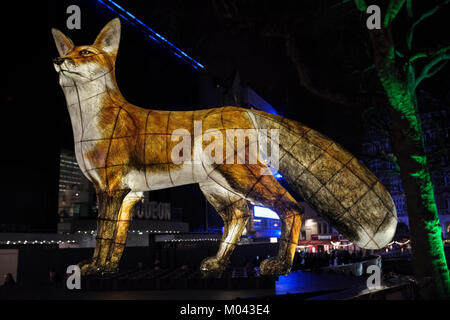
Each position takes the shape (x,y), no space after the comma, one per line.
(399,78)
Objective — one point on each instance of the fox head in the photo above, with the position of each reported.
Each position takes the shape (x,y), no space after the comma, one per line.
(86,63)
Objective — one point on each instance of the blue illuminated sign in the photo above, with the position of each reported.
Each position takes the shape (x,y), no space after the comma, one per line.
(262,212)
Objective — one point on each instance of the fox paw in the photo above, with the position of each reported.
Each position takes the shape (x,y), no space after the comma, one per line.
(212,265)
(90,267)
(274,266)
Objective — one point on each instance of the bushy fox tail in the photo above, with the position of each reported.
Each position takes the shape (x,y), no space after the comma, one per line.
(334,182)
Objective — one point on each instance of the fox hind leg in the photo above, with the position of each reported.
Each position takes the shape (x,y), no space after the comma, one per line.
(291,221)
(235,214)
(265,190)
(290,213)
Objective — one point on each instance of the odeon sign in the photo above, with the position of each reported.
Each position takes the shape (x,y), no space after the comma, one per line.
(152,210)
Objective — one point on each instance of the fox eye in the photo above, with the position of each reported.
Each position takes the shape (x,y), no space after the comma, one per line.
(85,52)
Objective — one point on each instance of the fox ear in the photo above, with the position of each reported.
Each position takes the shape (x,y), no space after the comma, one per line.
(108,39)
(63,43)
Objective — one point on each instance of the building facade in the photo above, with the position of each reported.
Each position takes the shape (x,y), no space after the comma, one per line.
(76,197)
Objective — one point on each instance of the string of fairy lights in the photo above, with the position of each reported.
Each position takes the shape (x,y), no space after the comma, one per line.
(139,232)
(345,245)
(337,244)
(192,240)
(93,233)
(38,242)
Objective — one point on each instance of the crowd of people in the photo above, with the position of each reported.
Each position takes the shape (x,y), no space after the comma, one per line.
(313,261)
(53,278)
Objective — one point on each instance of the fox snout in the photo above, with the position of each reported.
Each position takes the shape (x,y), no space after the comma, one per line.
(58,61)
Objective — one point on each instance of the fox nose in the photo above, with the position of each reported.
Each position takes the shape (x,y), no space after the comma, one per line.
(58,61)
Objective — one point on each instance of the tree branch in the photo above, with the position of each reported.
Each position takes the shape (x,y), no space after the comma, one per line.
(392,10)
(358,100)
(432,67)
(409,8)
(409,36)
(341,3)
(361,5)
(428,54)
(428,73)
(390,157)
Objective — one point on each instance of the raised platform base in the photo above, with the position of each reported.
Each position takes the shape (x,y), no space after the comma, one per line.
(150,279)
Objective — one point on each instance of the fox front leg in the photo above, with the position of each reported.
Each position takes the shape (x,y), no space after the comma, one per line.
(103,260)
(123,223)
(235,214)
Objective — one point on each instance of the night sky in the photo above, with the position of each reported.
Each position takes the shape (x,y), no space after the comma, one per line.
(223,36)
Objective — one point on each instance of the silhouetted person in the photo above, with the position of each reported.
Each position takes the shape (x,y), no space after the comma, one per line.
(345,257)
(256,261)
(326,259)
(353,256)
(296,262)
(339,257)
(157,264)
(332,257)
(184,268)
(9,280)
(54,277)
(140,266)
(245,262)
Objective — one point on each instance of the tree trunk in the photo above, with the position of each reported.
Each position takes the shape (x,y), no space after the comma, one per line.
(426,233)
(407,141)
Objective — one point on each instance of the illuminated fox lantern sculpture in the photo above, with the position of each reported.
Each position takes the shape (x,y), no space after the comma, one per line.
(125,150)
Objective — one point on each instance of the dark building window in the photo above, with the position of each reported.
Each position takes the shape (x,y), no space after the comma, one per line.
(447,180)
